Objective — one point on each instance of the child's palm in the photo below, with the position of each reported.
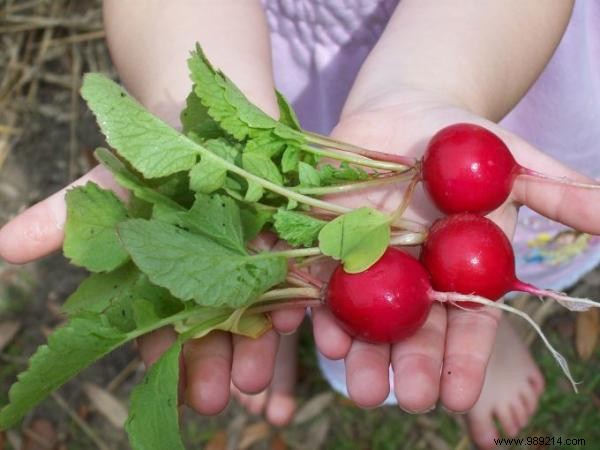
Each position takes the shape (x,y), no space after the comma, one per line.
(457,341)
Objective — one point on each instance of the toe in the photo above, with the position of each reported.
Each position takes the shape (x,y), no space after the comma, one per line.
(508,421)
(519,413)
(483,431)
(537,382)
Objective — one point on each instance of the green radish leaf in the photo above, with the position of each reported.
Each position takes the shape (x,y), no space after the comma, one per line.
(149,144)
(150,303)
(207,176)
(266,144)
(254,192)
(357,238)
(296,228)
(254,220)
(97,292)
(192,266)
(309,176)
(70,349)
(195,119)
(262,166)
(130,181)
(224,101)
(291,204)
(333,175)
(287,115)
(90,231)
(238,322)
(214,216)
(153,421)
(290,159)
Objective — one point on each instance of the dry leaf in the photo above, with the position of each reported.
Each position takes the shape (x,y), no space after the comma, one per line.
(313,407)
(587,327)
(106,404)
(254,433)
(278,443)
(14,439)
(217,442)
(317,433)
(434,442)
(8,330)
(234,430)
(41,435)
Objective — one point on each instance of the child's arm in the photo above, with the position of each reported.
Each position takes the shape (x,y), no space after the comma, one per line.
(483,57)
(439,63)
(150,42)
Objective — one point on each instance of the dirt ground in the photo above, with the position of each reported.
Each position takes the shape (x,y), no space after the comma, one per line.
(46,140)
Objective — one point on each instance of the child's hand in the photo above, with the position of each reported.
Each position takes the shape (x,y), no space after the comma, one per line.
(211,363)
(447,357)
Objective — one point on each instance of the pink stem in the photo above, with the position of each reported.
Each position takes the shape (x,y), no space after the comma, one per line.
(288,304)
(571,303)
(381,156)
(560,180)
(304,275)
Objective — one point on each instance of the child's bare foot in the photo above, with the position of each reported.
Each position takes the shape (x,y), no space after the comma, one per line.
(512,387)
(277,401)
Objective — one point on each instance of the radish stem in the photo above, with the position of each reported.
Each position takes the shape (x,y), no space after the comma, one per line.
(358,160)
(560,180)
(348,187)
(396,215)
(318,139)
(571,303)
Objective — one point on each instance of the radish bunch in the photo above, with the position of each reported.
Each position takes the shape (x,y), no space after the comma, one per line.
(466,259)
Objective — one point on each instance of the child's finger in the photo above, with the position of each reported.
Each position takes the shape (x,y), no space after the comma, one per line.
(154,344)
(573,206)
(38,231)
(469,342)
(368,373)
(254,361)
(208,372)
(286,321)
(417,362)
(331,340)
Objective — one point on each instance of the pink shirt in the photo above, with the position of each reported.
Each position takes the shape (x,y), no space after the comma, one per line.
(319,46)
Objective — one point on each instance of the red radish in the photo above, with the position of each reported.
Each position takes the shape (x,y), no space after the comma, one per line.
(391,300)
(467,168)
(470,254)
(385,303)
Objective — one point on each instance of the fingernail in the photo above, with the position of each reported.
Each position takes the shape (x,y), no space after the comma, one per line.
(423,411)
(453,412)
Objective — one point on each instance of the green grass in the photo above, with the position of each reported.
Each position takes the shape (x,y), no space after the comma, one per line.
(561,412)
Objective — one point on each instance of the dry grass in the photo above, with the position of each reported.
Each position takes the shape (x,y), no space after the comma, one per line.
(52,42)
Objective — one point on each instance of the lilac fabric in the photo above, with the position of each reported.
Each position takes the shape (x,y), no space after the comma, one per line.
(319,45)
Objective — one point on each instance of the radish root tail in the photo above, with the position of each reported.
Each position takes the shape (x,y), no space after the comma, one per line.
(456,299)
